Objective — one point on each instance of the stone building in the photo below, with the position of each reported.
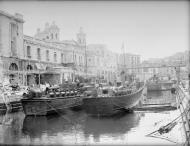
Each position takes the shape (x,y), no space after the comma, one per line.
(11,47)
(57,60)
(42,58)
(128,65)
(101,62)
(45,58)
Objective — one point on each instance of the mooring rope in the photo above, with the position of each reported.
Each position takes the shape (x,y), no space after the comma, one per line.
(167,128)
(172,122)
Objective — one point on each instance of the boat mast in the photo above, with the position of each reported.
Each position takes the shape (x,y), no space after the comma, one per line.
(85,47)
(189,68)
(123,65)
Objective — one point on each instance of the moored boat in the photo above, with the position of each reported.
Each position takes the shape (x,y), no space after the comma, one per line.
(159,85)
(112,102)
(10,98)
(39,104)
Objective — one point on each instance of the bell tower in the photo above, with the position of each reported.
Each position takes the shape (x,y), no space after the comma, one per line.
(50,33)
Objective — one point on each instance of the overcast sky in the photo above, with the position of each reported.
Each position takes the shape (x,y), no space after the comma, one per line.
(150,29)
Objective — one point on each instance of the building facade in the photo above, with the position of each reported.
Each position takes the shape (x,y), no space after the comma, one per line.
(101,63)
(11,47)
(128,66)
(45,58)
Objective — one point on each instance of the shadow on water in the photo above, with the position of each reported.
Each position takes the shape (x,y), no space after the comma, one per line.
(35,127)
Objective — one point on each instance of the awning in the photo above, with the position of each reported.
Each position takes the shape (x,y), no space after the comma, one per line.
(40,66)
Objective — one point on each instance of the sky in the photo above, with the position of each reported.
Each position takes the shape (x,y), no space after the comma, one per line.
(152,29)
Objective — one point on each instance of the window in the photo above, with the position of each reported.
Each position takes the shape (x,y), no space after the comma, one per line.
(55,57)
(47,55)
(52,36)
(62,58)
(13,39)
(38,54)
(56,36)
(28,51)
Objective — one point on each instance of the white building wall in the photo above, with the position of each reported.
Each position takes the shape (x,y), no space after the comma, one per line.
(5,23)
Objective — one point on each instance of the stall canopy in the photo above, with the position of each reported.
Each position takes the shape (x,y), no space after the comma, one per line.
(40,66)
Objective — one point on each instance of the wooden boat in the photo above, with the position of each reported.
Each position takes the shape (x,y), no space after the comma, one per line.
(111,103)
(55,101)
(10,100)
(154,86)
(13,105)
(159,85)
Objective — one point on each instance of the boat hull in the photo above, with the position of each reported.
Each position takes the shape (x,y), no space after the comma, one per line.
(47,106)
(107,106)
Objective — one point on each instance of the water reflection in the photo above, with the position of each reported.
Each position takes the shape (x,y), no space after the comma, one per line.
(35,127)
(11,125)
(78,128)
(114,127)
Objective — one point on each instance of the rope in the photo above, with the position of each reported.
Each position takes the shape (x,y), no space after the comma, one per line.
(170,125)
(172,122)
(180,101)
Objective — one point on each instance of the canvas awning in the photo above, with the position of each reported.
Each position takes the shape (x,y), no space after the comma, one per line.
(40,66)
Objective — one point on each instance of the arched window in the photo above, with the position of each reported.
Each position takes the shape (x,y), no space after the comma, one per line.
(52,36)
(39,54)
(47,55)
(13,66)
(28,52)
(29,67)
(56,36)
(55,57)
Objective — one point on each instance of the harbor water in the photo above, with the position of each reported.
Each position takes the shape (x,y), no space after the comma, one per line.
(75,127)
